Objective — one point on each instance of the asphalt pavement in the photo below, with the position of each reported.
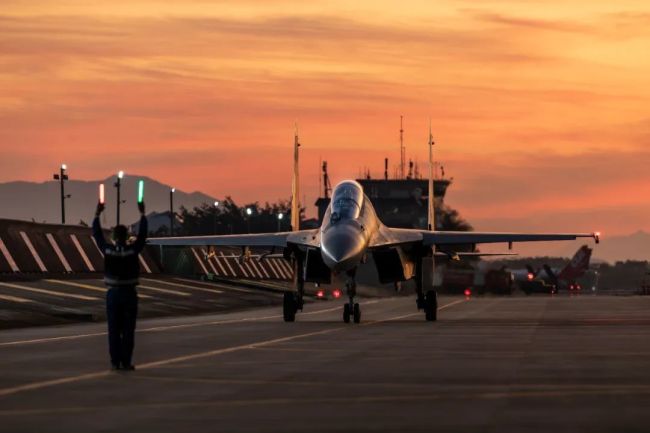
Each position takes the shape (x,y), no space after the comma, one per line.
(511,364)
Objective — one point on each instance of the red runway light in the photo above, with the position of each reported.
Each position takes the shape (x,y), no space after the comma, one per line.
(530,276)
(336,293)
(468,292)
(320,294)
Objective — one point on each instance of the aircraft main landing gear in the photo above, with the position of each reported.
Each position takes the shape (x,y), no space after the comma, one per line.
(290,306)
(431,306)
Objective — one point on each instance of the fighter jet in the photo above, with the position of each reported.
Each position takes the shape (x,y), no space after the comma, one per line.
(564,278)
(350,232)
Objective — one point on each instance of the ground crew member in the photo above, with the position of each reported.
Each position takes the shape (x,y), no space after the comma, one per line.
(121,272)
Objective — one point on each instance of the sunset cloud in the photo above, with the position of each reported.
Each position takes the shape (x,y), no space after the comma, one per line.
(535,107)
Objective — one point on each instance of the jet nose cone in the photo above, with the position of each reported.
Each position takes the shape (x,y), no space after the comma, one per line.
(341,249)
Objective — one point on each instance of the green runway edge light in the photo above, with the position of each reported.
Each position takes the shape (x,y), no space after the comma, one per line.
(140,191)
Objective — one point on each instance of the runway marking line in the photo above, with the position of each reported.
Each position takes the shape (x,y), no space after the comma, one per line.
(48,292)
(161,290)
(169,327)
(96,375)
(15,299)
(185,286)
(85,286)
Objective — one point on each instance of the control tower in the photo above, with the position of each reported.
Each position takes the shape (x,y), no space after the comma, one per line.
(399,202)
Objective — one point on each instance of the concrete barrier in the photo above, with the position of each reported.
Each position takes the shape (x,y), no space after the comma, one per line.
(27,247)
(227,264)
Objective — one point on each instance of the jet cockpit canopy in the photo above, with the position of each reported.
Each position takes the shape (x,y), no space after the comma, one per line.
(347,200)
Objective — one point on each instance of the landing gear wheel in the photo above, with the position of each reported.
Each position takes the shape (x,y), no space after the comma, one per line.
(289,307)
(431,306)
(357,313)
(346,313)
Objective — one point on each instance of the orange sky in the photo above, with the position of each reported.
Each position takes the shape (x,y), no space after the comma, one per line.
(540,110)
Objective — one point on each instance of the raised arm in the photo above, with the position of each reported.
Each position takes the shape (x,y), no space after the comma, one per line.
(143,229)
(98,233)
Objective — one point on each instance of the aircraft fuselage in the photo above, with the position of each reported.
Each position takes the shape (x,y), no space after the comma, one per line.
(349,224)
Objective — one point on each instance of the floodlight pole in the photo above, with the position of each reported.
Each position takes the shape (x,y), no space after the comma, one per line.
(62,177)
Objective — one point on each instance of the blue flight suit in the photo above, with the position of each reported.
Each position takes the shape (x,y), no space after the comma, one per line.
(121,273)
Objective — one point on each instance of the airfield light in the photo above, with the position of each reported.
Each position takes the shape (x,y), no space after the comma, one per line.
(62,176)
(530,276)
(249,211)
(468,292)
(120,174)
(216,203)
(320,294)
(118,187)
(336,293)
(171,211)
(140,191)
(102,198)
(280,215)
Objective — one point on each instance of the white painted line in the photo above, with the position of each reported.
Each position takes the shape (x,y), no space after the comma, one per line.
(48,292)
(223,270)
(251,271)
(223,286)
(282,264)
(32,250)
(257,266)
(207,259)
(167,291)
(14,299)
(198,259)
(287,267)
(193,356)
(58,252)
(83,286)
(82,253)
(232,271)
(184,286)
(269,264)
(276,269)
(243,270)
(97,246)
(144,264)
(8,258)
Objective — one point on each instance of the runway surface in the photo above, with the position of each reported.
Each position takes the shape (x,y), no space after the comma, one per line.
(562,364)
(67,299)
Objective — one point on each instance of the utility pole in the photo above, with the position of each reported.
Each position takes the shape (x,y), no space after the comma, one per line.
(118,186)
(295,185)
(216,208)
(62,176)
(171,211)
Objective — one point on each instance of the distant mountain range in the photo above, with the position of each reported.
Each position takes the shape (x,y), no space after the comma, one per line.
(41,201)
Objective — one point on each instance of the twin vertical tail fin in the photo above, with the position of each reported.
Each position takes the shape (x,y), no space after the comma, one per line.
(431,215)
(295,186)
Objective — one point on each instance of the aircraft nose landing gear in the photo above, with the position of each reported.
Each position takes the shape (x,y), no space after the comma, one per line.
(351,308)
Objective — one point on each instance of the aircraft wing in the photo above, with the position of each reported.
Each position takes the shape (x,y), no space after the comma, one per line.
(309,238)
(392,236)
